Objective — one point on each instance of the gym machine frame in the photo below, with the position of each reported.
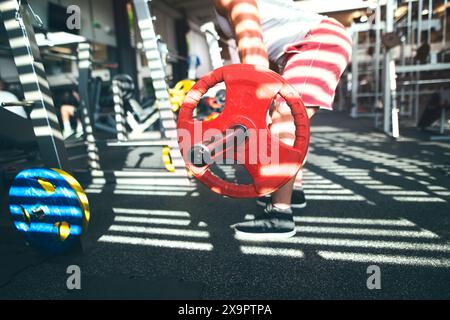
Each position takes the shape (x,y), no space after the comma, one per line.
(33,80)
(416,69)
(158,75)
(389,68)
(169,129)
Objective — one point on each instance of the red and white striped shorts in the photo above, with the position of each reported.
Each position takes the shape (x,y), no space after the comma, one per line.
(315,64)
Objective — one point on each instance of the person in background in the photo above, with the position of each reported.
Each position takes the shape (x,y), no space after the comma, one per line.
(69,104)
(311,52)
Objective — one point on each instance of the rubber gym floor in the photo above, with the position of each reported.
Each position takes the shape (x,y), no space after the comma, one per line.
(371,201)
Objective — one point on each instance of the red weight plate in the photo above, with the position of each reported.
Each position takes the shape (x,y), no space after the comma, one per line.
(249,95)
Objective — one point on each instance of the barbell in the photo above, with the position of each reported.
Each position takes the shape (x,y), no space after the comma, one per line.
(24,104)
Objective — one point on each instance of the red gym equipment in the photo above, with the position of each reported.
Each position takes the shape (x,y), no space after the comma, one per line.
(249,96)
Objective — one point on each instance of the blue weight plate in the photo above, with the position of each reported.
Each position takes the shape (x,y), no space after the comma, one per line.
(46,210)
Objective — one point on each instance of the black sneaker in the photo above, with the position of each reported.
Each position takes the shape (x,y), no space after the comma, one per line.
(298,200)
(274,223)
(264,201)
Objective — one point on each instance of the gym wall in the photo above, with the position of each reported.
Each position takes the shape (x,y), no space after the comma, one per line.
(98,11)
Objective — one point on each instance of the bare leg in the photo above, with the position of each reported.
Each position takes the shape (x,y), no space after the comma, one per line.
(283,127)
(67,111)
(79,129)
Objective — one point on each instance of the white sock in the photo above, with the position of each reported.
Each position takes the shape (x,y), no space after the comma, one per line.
(79,127)
(282,206)
(67,126)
